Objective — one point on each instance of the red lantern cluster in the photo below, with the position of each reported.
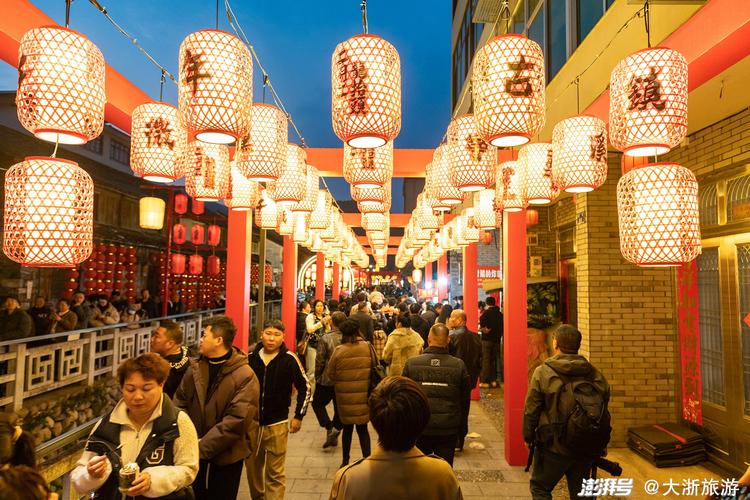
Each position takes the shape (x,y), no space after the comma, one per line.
(110,268)
(198,280)
(267,274)
(179,234)
(181,203)
(197,234)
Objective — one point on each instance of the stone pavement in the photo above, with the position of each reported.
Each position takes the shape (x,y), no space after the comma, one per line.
(481,467)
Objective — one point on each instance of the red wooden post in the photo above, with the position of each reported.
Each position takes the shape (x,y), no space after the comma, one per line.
(320,276)
(516,334)
(239,251)
(167,256)
(471,297)
(289,291)
(335,288)
(429,283)
(442,264)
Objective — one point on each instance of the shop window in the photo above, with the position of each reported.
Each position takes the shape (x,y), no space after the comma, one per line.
(119,152)
(743,280)
(95,146)
(709,313)
(567,242)
(536,29)
(557,50)
(738,199)
(708,206)
(588,13)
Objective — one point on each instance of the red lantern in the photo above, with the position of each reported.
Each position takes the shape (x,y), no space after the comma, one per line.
(180,203)
(196,264)
(178,263)
(197,234)
(214,265)
(198,207)
(179,234)
(532,217)
(486,237)
(214,234)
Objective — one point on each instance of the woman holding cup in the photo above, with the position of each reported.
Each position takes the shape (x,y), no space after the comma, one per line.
(145,446)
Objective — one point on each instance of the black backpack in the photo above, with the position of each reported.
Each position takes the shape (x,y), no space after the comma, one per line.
(585,426)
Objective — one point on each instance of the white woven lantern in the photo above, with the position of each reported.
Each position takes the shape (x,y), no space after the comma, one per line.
(648,102)
(312,184)
(267,214)
(320,217)
(471,160)
(245,193)
(366,91)
(579,160)
(156,142)
(538,186)
(441,187)
(368,168)
(509,194)
(373,196)
(508,86)
(484,209)
(261,155)
(291,186)
(207,171)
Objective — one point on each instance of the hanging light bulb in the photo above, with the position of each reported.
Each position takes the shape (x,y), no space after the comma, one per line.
(312,185)
(207,171)
(290,187)
(508,85)
(484,210)
(657,208)
(648,102)
(368,168)
(156,142)
(267,215)
(509,193)
(245,194)
(536,158)
(151,213)
(471,160)
(579,162)
(262,153)
(60,94)
(215,86)
(366,91)
(49,213)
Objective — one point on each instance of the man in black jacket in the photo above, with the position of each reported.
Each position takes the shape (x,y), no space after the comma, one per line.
(366,324)
(418,324)
(277,369)
(491,326)
(445,380)
(466,346)
(324,392)
(166,341)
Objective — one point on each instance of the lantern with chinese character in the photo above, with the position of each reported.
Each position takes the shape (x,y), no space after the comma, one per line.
(267,215)
(285,222)
(579,162)
(291,186)
(156,142)
(657,208)
(196,264)
(178,263)
(49,213)
(213,265)
(366,91)
(312,183)
(180,203)
(538,187)
(508,86)
(261,155)
(214,235)
(509,195)
(197,234)
(471,160)
(198,207)
(60,94)
(368,168)
(179,233)
(320,217)
(215,86)
(207,171)
(648,102)
(484,209)
(245,193)
(151,213)
(441,189)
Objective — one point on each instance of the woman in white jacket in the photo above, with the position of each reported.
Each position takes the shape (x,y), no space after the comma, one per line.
(143,428)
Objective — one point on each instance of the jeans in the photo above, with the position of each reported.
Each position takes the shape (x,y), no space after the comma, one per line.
(310,367)
(442,446)
(324,394)
(265,467)
(491,354)
(548,468)
(346,440)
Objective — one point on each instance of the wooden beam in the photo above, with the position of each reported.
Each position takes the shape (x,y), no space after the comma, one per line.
(397,220)
(406,162)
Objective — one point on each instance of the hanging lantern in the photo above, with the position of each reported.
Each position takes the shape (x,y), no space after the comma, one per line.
(467,231)
(267,215)
(320,217)
(416,275)
(156,142)
(245,193)
(151,212)
(60,94)
(471,160)
(215,86)
(214,235)
(49,213)
(179,234)
(370,196)
(366,91)
(312,183)
(532,217)
(300,227)
(509,194)
(207,174)
(579,162)
(261,155)
(484,209)
(196,264)
(180,203)
(536,158)
(285,223)
(197,234)
(508,85)
(648,102)
(214,265)
(178,263)
(374,222)
(368,168)
(198,207)
(441,188)
(291,185)
(657,208)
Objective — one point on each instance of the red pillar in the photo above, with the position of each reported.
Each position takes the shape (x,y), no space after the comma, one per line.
(289,291)
(335,288)
(442,267)
(239,248)
(471,296)
(429,283)
(516,334)
(320,276)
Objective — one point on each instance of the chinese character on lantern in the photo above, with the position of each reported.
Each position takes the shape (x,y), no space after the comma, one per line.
(519,85)
(645,90)
(598,147)
(158,133)
(353,88)
(476,147)
(193,65)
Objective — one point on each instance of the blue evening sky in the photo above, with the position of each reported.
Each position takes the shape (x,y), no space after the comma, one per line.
(294,40)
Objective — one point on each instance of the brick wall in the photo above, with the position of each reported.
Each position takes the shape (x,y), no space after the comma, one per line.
(546,246)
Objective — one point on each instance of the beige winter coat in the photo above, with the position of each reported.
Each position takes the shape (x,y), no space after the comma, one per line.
(402,344)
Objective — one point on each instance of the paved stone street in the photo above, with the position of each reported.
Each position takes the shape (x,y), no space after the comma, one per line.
(481,467)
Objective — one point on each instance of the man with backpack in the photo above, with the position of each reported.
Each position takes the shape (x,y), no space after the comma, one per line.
(566,423)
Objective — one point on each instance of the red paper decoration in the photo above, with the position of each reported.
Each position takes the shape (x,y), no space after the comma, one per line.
(196,264)
(180,203)
(178,263)
(179,233)
(198,207)
(214,265)
(214,234)
(197,234)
